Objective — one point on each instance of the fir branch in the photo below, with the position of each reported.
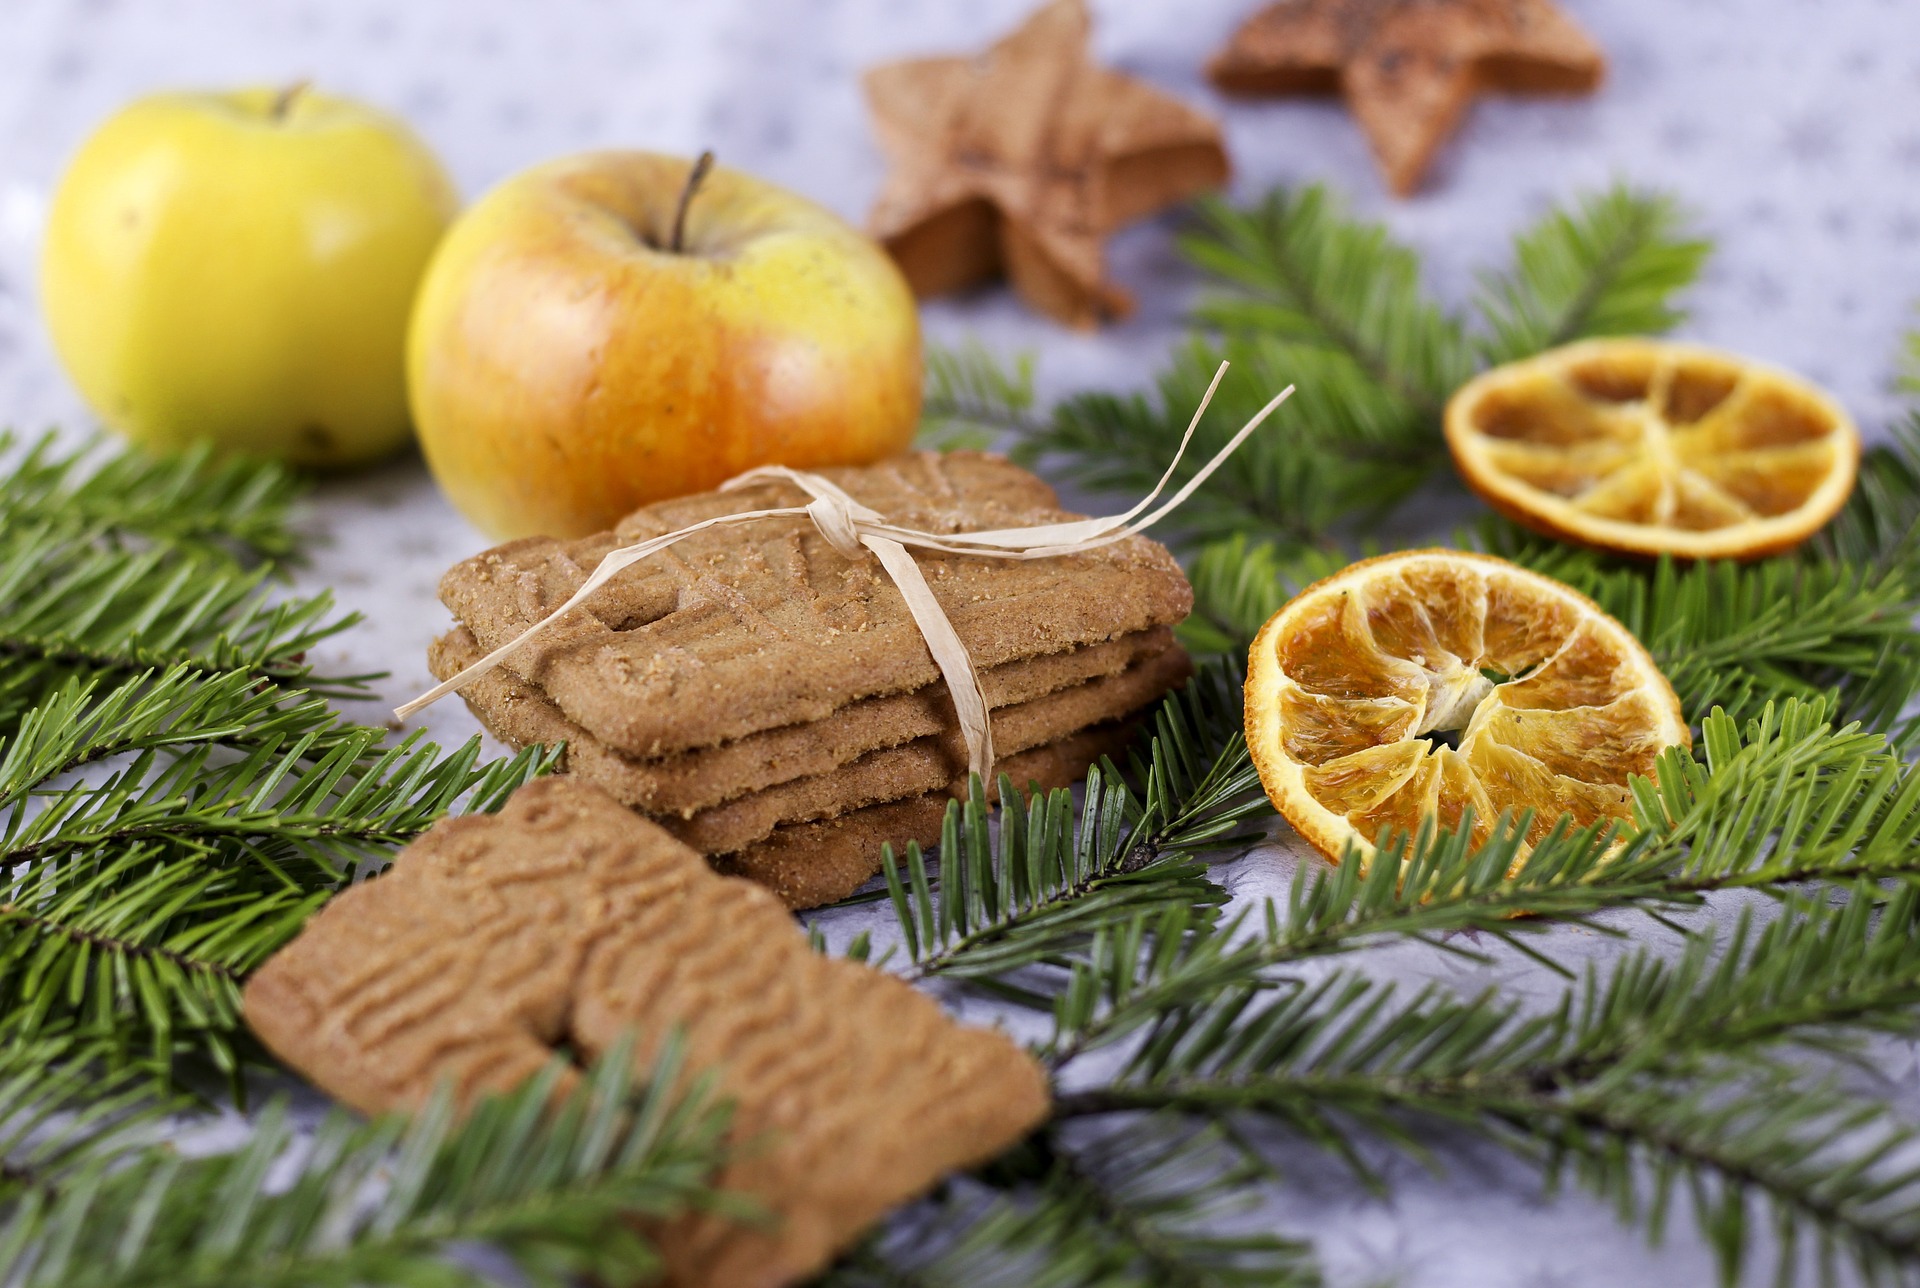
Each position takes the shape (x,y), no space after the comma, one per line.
(1787,800)
(1609,266)
(1164,1194)
(72,609)
(329,804)
(1306,295)
(1296,267)
(1239,584)
(1040,887)
(79,725)
(129,563)
(189,502)
(971,401)
(1880,525)
(1794,801)
(1726,634)
(1651,1064)
(1122,444)
(963,1238)
(148,953)
(1816,1157)
(1817,976)
(1338,448)
(552,1180)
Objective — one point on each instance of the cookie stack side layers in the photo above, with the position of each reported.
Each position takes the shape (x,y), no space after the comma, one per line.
(566,918)
(824,758)
(739,630)
(516,712)
(932,764)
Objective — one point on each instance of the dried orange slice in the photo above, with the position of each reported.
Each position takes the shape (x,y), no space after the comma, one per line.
(1650,447)
(1433,682)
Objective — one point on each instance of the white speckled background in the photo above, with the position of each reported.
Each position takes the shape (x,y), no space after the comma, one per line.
(1791,127)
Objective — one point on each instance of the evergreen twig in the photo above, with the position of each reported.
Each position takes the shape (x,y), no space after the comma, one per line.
(134,905)
(1609,266)
(553,1180)
(1151,1207)
(1040,887)
(1646,1073)
(1726,634)
(1296,267)
(176,795)
(60,1114)
(73,611)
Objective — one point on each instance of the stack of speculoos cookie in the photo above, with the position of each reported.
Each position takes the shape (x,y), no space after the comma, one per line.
(770,701)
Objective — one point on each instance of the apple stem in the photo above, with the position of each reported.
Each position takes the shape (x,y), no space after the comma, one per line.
(694,177)
(284,100)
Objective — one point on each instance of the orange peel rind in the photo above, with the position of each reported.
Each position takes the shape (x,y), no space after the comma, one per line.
(1650,447)
(1434,682)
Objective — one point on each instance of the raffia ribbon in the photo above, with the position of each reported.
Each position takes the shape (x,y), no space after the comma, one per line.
(850,527)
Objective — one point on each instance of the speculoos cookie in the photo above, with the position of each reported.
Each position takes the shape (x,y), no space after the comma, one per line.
(567,919)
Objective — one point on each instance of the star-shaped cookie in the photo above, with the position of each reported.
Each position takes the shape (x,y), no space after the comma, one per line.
(1409,68)
(1021,160)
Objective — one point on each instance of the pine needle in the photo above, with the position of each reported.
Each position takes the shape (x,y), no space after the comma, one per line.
(1643,1074)
(73,609)
(135,906)
(1040,887)
(1296,267)
(1165,1203)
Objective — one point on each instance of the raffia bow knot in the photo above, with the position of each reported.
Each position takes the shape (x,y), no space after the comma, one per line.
(850,527)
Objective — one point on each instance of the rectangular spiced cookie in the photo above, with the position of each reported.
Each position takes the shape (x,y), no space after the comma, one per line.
(568,919)
(860,755)
(743,629)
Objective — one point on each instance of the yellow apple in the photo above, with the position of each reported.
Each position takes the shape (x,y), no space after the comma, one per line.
(568,362)
(239,268)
